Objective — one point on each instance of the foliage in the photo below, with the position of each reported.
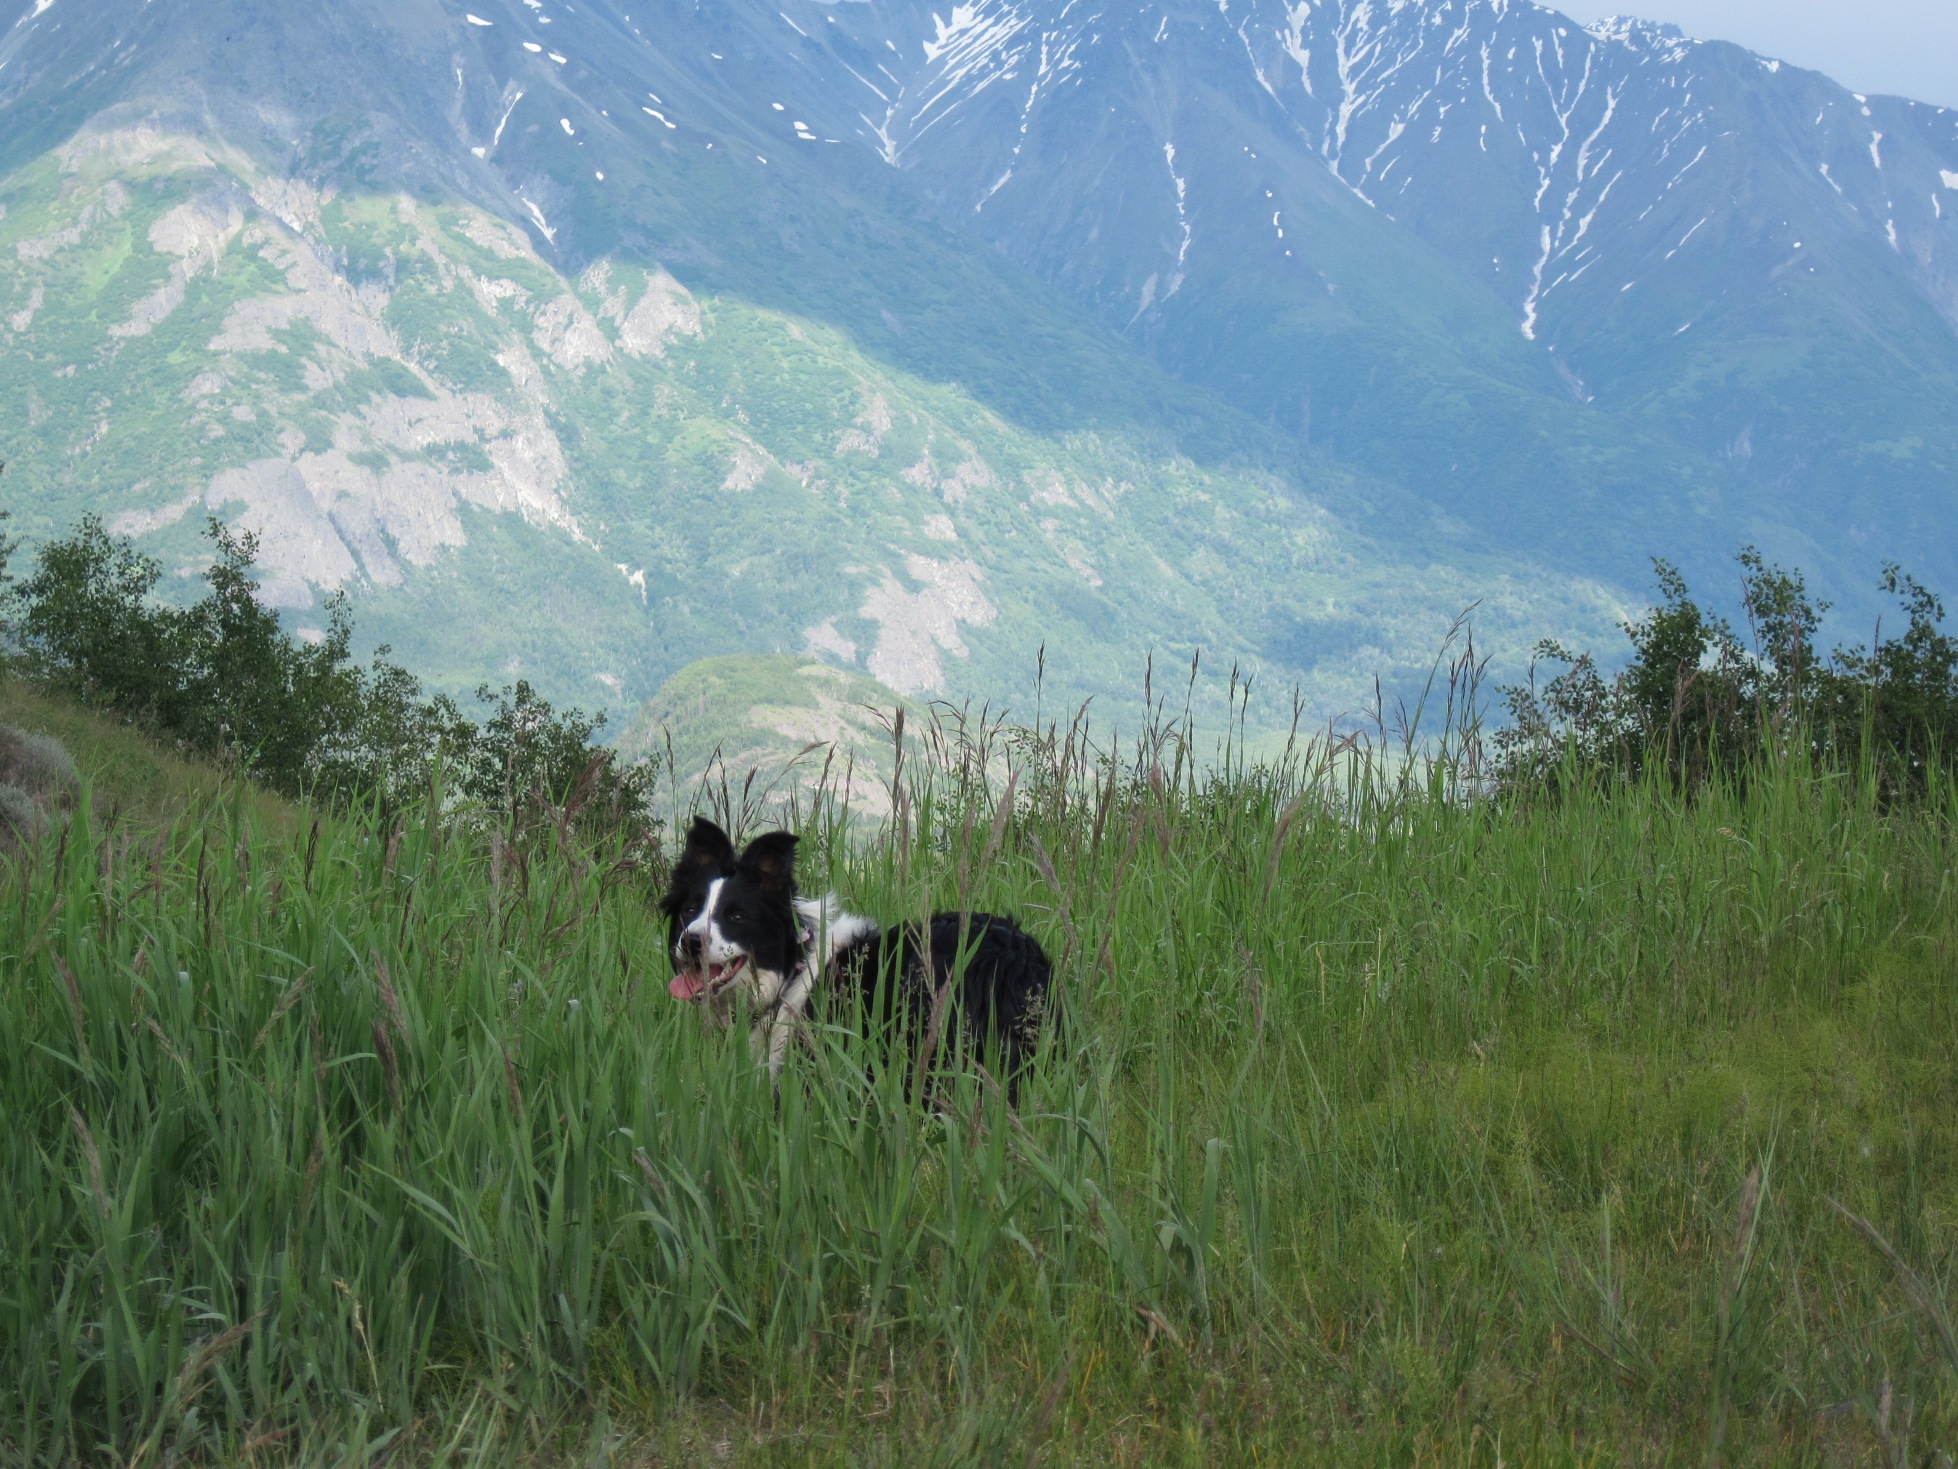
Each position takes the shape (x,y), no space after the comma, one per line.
(525,748)
(1392,1128)
(222,677)
(7,547)
(37,780)
(86,622)
(1695,699)
(1905,688)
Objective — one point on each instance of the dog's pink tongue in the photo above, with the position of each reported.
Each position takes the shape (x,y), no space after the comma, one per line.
(687,986)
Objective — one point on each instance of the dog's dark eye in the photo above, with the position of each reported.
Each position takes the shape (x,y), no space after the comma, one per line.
(733,915)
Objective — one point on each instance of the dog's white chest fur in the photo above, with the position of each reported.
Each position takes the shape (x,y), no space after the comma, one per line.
(780,1001)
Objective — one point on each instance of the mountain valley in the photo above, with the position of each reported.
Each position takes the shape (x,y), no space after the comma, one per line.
(582,343)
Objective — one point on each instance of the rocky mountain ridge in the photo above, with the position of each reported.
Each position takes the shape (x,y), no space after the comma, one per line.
(587,340)
(1733,255)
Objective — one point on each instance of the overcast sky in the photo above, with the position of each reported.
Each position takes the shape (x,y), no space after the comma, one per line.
(1909,47)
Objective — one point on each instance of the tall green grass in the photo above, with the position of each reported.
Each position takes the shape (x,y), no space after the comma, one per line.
(1384,1126)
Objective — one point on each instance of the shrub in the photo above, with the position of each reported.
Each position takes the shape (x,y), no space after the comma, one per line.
(36,779)
(224,678)
(20,818)
(1694,699)
(1900,699)
(87,624)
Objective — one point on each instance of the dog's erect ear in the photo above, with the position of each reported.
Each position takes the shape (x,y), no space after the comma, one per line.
(708,851)
(770,861)
(708,847)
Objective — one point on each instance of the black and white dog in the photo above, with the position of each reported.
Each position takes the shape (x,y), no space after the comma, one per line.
(738,928)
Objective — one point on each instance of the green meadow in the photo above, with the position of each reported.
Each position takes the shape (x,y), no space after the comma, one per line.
(1389,1123)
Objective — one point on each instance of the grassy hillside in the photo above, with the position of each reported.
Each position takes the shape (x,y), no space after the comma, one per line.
(128,774)
(1388,1128)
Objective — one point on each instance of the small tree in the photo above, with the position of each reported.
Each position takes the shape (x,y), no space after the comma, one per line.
(1682,703)
(526,751)
(225,677)
(87,624)
(1693,700)
(253,692)
(1900,698)
(1683,693)
(398,737)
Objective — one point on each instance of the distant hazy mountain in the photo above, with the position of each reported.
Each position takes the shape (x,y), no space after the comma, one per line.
(587,341)
(1725,260)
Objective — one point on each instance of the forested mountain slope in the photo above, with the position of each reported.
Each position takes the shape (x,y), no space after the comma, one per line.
(585,341)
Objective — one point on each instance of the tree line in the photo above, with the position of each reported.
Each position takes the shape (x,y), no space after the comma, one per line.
(1699,699)
(1695,699)
(222,678)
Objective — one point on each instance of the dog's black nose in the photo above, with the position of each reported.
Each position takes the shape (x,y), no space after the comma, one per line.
(690,947)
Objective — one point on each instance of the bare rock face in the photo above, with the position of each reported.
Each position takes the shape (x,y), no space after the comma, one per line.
(916,626)
(387,487)
(666,311)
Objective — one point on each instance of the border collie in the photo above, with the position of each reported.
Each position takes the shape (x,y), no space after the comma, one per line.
(738,928)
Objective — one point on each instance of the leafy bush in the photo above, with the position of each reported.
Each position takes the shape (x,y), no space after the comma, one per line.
(6,581)
(36,778)
(1901,697)
(85,622)
(1695,699)
(224,678)
(221,676)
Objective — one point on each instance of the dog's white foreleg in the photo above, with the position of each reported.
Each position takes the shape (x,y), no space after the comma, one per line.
(775,1027)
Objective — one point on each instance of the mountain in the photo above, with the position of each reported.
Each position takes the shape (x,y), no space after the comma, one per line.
(756,731)
(1739,264)
(584,342)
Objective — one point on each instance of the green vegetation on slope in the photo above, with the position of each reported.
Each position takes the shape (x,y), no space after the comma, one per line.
(223,679)
(1390,1127)
(1695,696)
(591,483)
(129,774)
(752,733)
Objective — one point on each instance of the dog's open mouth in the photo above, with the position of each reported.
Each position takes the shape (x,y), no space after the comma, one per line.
(692,984)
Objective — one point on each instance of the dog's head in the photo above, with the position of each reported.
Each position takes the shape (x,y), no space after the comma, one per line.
(732,919)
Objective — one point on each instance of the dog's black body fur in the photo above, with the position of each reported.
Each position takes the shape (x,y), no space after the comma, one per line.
(736,922)
(1000,1003)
